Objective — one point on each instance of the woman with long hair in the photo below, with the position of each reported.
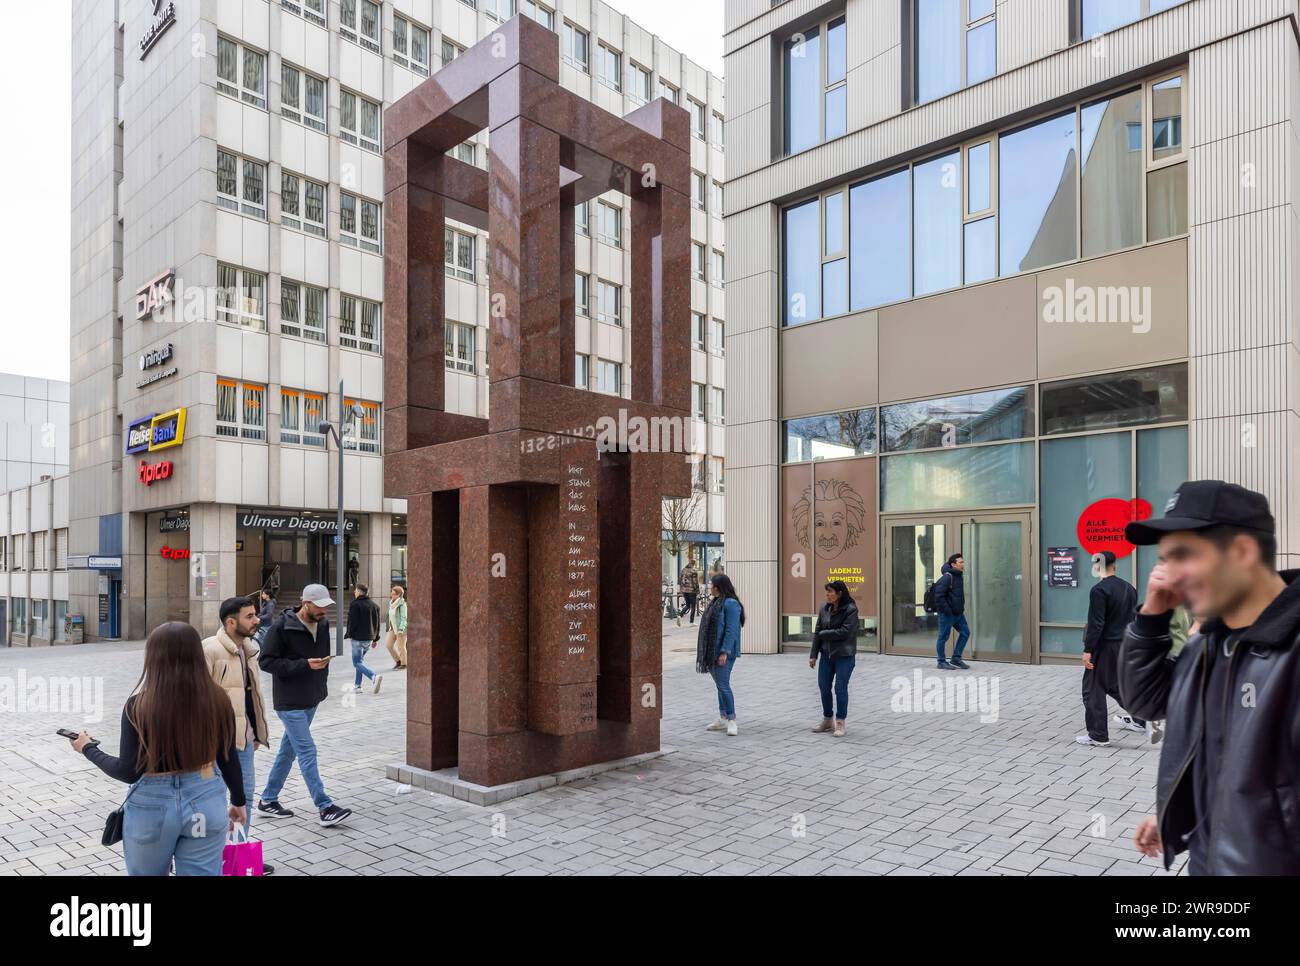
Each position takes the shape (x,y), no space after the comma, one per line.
(177,727)
(835,639)
(718,647)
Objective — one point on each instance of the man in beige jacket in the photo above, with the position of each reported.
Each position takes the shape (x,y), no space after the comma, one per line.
(232,661)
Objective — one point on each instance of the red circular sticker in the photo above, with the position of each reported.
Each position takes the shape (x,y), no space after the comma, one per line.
(1101,526)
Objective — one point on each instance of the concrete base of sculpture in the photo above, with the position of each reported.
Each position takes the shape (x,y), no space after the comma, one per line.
(447,781)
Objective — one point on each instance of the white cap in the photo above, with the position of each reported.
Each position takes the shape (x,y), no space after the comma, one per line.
(317,594)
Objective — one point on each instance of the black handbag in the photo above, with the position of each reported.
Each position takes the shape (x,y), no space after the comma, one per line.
(114,823)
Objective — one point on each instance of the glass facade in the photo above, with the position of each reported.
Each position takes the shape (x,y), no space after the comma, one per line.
(832,436)
(974,476)
(1137,396)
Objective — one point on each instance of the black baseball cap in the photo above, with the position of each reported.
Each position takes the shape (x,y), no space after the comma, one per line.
(1201,504)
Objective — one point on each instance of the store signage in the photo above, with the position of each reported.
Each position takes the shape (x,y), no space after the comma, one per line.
(295,522)
(175,553)
(1101,525)
(1062,570)
(173,524)
(164,15)
(155,432)
(152,360)
(93,562)
(155,294)
(151,473)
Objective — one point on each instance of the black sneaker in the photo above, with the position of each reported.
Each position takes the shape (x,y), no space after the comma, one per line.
(268,868)
(333,815)
(273,810)
(958,662)
(945,666)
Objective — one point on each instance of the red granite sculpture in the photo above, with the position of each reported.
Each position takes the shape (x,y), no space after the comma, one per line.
(534,535)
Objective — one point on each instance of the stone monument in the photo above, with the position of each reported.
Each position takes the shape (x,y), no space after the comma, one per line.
(534,534)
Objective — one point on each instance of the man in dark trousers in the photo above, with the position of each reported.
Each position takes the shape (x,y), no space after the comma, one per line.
(689,584)
(950,604)
(1228,787)
(1111,605)
(363,632)
(296,654)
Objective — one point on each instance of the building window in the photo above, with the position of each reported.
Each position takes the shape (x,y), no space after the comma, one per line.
(450,51)
(715,130)
(19,557)
(698,261)
(609,302)
(718,199)
(501,10)
(1102,16)
(301,414)
(582,293)
(576,47)
(828,437)
(302,97)
(60,616)
(312,10)
(241,297)
(981,417)
(18,620)
(954,45)
(815,107)
(697,191)
(697,330)
(1079,183)
(698,114)
(609,224)
(359,22)
(241,72)
(544,16)
(40,560)
(609,67)
(60,549)
(609,377)
(359,120)
(582,371)
(40,619)
(581,214)
(1135,397)
(241,184)
(410,45)
(638,83)
(698,410)
(302,204)
(359,222)
(361,426)
(669,92)
(719,268)
(459,354)
(458,253)
(302,311)
(718,343)
(358,323)
(716,482)
(466,152)
(4,553)
(241,409)
(717,406)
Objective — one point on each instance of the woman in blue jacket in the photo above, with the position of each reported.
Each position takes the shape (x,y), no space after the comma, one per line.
(718,647)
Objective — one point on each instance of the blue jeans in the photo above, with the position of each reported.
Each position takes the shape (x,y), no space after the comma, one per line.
(296,744)
(946,623)
(722,680)
(359,649)
(841,669)
(181,817)
(246,765)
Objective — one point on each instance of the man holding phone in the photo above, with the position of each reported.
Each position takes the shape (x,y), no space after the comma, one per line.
(296,654)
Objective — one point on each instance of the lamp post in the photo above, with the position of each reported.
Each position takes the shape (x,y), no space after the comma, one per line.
(328,429)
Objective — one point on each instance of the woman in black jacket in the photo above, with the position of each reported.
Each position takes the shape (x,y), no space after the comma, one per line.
(836,640)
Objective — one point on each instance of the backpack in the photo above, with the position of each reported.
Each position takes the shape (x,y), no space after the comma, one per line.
(928,601)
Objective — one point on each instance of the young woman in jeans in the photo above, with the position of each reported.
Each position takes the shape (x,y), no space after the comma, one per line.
(718,647)
(177,726)
(836,640)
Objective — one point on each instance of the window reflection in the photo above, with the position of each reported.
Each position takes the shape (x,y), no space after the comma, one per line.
(1112,174)
(802,263)
(1036,193)
(936,211)
(981,417)
(835,435)
(879,236)
(803,91)
(1155,395)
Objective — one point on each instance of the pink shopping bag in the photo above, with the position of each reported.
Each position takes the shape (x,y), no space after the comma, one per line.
(241,857)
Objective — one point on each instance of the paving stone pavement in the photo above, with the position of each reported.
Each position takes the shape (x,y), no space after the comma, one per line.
(905,793)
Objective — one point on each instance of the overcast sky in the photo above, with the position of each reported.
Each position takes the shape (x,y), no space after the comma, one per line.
(36,66)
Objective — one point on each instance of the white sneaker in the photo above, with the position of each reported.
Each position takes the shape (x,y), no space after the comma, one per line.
(1128,724)
(732,730)
(1155,731)
(719,725)
(375,684)
(1088,740)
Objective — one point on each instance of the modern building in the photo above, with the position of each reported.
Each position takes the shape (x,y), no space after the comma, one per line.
(227,276)
(33,430)
(1002,276)
(34,563)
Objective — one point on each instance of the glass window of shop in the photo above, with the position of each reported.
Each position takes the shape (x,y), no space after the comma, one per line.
(832,436)
(1092,484)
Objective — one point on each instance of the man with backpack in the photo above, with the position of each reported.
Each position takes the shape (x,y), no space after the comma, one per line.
(947,598)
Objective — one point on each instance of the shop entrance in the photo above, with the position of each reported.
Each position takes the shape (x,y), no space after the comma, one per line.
(291,561)
(998,583)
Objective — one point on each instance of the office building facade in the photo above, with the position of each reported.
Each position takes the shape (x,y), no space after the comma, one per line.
(228,275)
(1003,275)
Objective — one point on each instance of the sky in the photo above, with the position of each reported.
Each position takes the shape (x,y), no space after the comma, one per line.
(34,338)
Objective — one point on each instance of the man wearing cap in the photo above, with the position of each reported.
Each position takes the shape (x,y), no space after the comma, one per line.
(1228,789)
(296,653)
(1111,604)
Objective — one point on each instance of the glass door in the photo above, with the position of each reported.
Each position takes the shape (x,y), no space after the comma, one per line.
(996,550)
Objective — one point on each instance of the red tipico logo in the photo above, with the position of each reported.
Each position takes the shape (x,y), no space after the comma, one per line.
(174,553)
(150,473)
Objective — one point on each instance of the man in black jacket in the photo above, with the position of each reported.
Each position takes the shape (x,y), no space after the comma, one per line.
(296,654)
(950,602)
(1111,605)
(1228,789)
(363,632)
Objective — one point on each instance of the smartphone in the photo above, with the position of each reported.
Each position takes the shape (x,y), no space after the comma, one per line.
(70,735)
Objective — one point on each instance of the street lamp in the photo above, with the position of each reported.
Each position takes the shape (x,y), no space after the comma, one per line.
(328,429)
